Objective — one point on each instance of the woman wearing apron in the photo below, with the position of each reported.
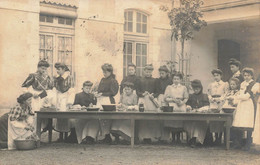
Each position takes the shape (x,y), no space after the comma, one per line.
(176,95)
(107,89)
(148,130)
(217,91)
(21,120)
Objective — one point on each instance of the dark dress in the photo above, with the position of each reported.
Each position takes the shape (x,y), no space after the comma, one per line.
(84,99)
(146,84)
(38,82)
(160,85)
(62,84)
(108,87)
(198,100)
(131,78)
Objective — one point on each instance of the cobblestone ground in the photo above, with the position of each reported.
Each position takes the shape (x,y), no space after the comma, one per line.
(61,153)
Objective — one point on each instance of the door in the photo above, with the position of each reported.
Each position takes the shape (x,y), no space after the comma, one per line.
(227,49)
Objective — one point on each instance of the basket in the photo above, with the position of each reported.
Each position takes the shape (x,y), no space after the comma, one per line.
(28,144)
(228,110)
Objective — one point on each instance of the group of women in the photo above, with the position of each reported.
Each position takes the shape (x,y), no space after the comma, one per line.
(152,93)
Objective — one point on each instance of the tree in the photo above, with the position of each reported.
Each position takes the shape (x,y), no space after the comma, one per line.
(184,21)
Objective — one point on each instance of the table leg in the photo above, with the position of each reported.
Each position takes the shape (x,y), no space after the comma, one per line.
(50,130)
(228,125)
(38,127)
(132,132)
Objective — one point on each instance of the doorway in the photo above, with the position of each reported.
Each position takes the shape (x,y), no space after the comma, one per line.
(227,49)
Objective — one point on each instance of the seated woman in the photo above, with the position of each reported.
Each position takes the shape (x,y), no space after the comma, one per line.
(128,101)
(198,101)
(84,129)
(21,121)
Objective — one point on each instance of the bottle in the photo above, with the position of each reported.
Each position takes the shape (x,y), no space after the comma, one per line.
(141,107)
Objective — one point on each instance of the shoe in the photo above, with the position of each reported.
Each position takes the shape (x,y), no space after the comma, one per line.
(107,139)
(90,140)
(192,142)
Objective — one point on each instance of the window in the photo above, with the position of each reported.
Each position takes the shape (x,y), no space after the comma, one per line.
(135,21)
(56,44)
(135,52)
(136,40)
(45,18)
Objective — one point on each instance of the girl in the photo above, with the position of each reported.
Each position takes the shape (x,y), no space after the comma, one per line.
(62,84)
(128,101)
(21,120)
(131,77)
(161,84)
(197,101)
(107,89)
(176,95)
(85,129)
(216,93)
(245,113)
(148,130)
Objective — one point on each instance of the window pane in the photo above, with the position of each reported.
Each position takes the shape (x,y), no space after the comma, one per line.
(61,56)
(144,49)
(61,20)
(49,42)
(124,60)
(125,15)
(67,58)
(130,16)
(42,55)
(138,17)
(124,72)
(49,19)
(138,49)
(129,48)
(138,61)
(144,18)
(138,71)
(129,59)
(61,45)
(42,43)
(144,28)
(130,26)
(42,18)
(68,21)
(138,27)
(124,49)
(144,61)
(125,26)
(68,44)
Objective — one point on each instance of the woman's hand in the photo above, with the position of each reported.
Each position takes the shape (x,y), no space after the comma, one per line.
(168,99)
(97,94)
(188,108)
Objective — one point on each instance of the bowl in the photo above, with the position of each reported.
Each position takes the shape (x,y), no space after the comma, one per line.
(229,110)
(28,144)
(92,109)
(111,107)
(167,108)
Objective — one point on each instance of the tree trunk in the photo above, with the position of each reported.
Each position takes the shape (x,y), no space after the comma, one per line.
(182,55)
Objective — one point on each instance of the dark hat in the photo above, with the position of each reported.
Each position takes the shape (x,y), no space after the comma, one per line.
(148,67)
(107,67)
(128,84)
(164,68)
(196,84)
(61,65)
(23,97)
(218,71)
(131,64)
(178,74)
(235,62)
(43,63)
(87,83)
(248,70)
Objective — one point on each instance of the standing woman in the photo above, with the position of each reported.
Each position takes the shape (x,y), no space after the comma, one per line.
(235,66)
(131,77)
(256,133)
(148,131)
(107,89)
(245,113)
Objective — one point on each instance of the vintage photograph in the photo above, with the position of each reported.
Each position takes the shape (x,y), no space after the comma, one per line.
(129,82)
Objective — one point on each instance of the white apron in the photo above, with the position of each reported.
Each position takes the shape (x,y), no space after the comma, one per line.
(149,129)
(16,130)
(196,129)
(105,125)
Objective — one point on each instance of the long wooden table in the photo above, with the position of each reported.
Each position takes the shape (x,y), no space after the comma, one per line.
(133,116)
